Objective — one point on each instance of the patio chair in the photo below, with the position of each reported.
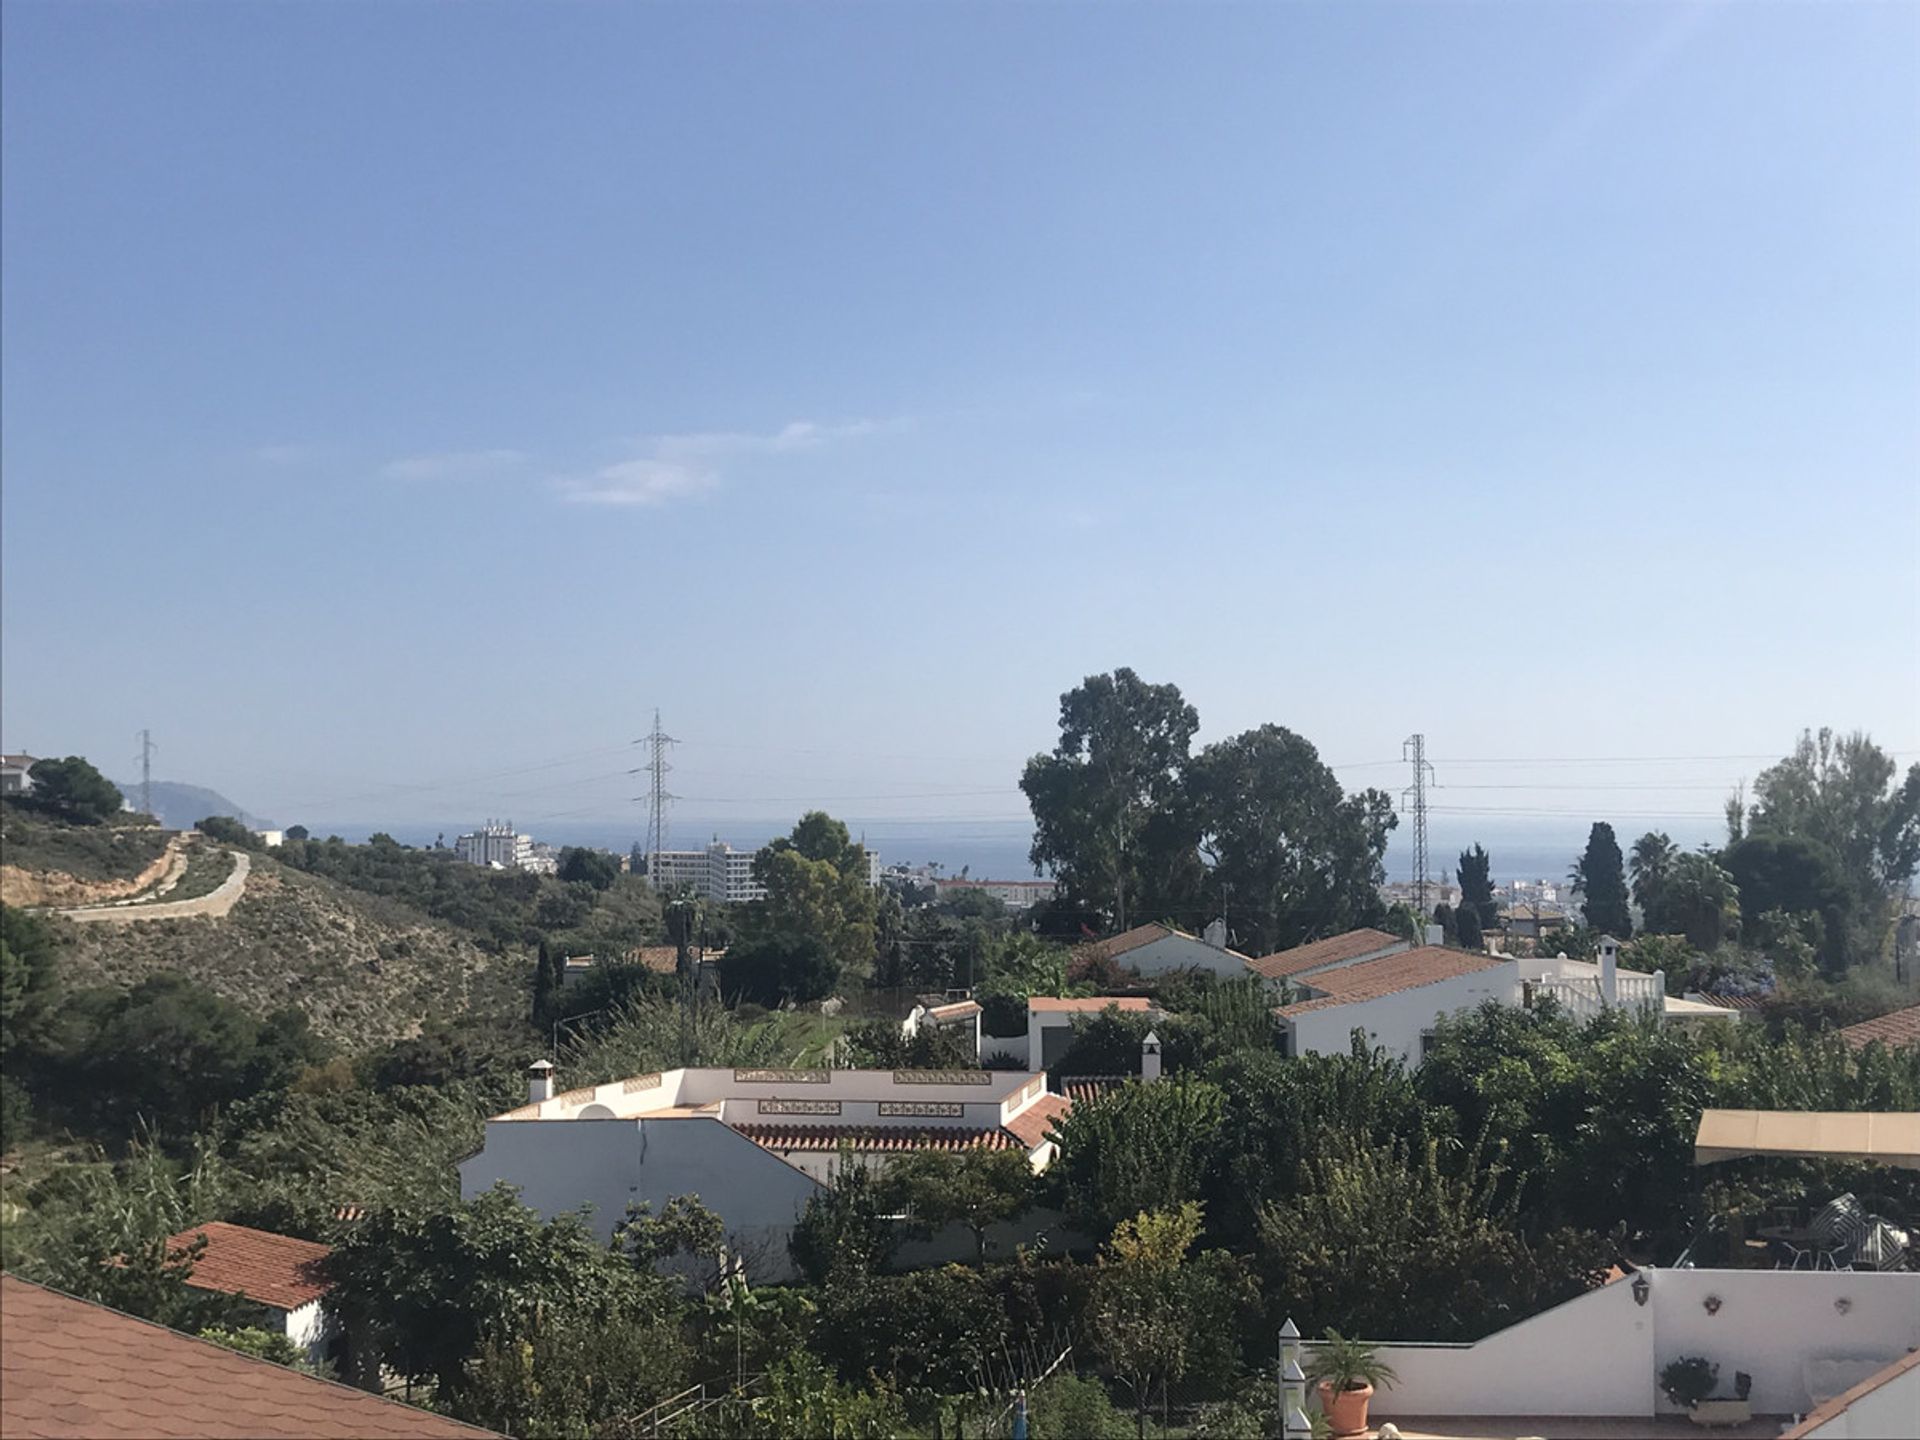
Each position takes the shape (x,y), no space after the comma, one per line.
(1885,1246)
(1840,1257)
(1840,1226)
(1794,1258)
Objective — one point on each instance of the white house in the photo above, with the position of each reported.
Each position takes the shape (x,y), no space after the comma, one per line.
(1050,1027)
(754,1145)
(1318,955)
(278,1274)
(16,776)
(1396,999)
(1157,949)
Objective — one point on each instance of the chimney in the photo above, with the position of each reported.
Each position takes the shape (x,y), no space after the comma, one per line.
(539,1081)
(1215,935)
(1609,969)
(1150,1058)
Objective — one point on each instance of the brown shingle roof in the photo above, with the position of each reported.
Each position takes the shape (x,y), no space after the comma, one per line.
(1335,950)
(70,1370)
(959,1010)
(1031,1125)
(1390,974)
(1897,1030)
(1086,1004)
(874,1138)
(273,1269)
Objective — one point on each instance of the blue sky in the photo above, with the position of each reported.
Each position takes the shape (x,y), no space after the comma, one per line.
(406,395)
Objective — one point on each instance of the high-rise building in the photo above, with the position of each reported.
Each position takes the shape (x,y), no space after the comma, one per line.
(495,843)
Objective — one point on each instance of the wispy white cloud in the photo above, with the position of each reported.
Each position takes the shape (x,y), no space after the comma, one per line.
(677,467)
(451,465)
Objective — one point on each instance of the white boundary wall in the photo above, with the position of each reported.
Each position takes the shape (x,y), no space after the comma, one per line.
(1601,1354)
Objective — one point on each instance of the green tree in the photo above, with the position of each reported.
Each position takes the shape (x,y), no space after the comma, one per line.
(1796,878)
(1700,899)
(1140,1147)
(298,832)
(1652,858)
(1476,887)
(431,1292)
(1296,856)
(1601,880)
(29,975)
(1107,803)
(848,1225)
(228,831)
(75,790)
(818,902)
(582,866)
(1844,792)
(976,1188)
(1466,922)
(778,968)
(1389,1240)
(1154,1310)
(273,1346)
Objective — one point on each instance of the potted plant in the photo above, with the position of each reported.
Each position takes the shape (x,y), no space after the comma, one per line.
(1690,1382)
(1346,1372)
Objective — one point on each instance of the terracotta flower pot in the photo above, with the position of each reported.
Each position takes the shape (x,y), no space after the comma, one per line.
(1346,1410)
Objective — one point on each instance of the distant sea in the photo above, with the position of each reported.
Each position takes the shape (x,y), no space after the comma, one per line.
(997,850)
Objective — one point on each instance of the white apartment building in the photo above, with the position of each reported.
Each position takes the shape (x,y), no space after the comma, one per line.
(495,843)
(1014,894)
(718,872)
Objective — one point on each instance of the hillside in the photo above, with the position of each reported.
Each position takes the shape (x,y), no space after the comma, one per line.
(180,807)
(363,968)
(46,862)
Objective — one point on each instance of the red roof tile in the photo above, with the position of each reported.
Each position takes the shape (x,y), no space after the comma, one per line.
(1897,1030)
(1081,1088)
(871,1139)
(273,1269)
(1390,974)
(1031,1125)
(1335,950)
(70,1370)
(1086,1004)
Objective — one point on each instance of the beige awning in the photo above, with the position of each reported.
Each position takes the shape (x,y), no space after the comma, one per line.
(1888,1137)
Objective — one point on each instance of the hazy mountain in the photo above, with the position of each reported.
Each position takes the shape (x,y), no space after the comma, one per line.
(180,806)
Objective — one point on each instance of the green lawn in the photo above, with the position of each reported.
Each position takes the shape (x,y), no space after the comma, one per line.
(801,1038)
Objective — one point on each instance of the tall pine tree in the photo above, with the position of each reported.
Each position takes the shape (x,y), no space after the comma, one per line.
(1601,877)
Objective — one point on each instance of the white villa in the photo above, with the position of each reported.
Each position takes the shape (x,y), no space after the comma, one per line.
(1158,949)
(754,1145)
(1397,993)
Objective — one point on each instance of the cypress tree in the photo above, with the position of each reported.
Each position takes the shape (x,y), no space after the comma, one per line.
(1602,878)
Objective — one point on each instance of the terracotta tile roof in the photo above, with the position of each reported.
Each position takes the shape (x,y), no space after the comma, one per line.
(1079,1088)
(70,1370)
(1828,1410)
(1087,1004)
(959,1010)
(1114,946)
(1729,1002)
(274,1269)
(661,959)
(1031,1125)
(1335,950)
(1390,974)
(1896,1031)
(874,1139)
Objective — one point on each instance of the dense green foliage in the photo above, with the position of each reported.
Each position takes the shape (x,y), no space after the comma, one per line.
(74,790)
(1600,879)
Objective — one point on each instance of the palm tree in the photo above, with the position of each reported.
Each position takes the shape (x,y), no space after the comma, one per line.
(1650,865)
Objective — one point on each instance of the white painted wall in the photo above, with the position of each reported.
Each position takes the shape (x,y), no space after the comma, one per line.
(606,1165)
(1893,1409)
(1590,1356)
(1182,952)
(309,1327)
(1396,1021)
(1771,1323)
(1601,1354)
